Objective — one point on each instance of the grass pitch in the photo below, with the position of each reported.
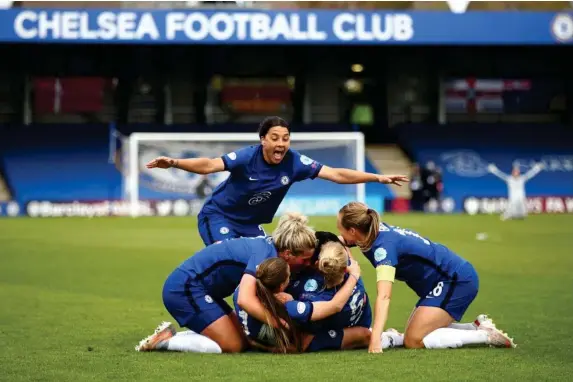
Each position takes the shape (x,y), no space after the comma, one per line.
(78,294)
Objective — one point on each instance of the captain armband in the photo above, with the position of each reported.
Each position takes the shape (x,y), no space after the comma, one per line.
(385,273)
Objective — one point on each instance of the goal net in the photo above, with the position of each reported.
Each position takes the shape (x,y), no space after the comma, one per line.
(182,193)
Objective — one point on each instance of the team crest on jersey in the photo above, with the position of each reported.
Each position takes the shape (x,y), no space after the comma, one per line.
(305,160)
(285,180)
(311,285)
(232,156)
(380,254)
(224,230)
(300,307)
(208,299)
(332,333)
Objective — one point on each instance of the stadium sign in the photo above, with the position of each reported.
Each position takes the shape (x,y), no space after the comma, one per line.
(324,206)
(283,27)
(535,205)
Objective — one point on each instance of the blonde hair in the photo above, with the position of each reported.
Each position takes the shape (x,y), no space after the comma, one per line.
(363,219)
(332,263)
(293,234)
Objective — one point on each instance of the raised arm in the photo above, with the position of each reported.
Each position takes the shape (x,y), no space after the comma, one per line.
(347,176)
(195,165)
(534,171)
(494,170)
(324,309)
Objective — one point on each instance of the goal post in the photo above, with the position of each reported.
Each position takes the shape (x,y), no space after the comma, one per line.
(334,149)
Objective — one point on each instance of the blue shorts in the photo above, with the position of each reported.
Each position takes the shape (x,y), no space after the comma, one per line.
(326,340)
(215,227)
(455,295)
(190,304)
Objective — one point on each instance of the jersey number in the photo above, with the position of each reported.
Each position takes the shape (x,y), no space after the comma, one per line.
(437,290)
(356,306)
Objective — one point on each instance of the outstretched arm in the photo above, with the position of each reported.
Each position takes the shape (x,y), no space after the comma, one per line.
(195,165)
(347,176)
(494,170)
(534,171)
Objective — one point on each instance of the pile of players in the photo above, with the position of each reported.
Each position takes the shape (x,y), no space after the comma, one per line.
(298,290)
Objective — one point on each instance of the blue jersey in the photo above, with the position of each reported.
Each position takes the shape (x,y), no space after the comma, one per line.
(420,263)
(310,287)
(220,267)
(299,311)
(255,189)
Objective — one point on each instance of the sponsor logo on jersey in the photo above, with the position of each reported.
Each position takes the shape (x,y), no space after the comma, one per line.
(311,285)
(380,254)
(259,198)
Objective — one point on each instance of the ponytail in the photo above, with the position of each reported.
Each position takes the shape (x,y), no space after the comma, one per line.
(284,336)
(372,232)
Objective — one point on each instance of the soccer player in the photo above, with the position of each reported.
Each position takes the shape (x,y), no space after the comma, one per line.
(261,175)
(445,283)
(517,202)
(332,313)
(193,294)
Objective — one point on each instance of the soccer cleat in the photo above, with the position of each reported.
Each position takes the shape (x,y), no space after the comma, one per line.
(164,332)
(394,331)
(482,318)
(496,337)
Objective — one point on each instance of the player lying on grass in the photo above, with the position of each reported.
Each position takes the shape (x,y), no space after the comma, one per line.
(261,175)
(331,313)
(445,283)
(194,293)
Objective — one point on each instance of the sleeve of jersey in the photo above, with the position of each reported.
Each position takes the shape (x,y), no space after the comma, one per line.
(385,261)
(235,159)
(305,167)
(254,261)
(299,311)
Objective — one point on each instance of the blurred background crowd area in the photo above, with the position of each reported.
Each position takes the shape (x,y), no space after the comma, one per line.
(440,112)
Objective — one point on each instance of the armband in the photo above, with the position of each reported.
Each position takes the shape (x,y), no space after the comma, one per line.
(385,273)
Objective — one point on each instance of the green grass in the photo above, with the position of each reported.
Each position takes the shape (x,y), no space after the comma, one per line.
(78,294)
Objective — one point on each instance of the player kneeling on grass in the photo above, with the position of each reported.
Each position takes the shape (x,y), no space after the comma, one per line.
(322,322)
(194,293)
(445,283)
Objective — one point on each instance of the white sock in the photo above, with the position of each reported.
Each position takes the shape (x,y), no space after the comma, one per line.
(460,326)
(191,342)
(447,338)
(392,340)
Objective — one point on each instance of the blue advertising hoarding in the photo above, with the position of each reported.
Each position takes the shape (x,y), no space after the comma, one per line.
(284,27)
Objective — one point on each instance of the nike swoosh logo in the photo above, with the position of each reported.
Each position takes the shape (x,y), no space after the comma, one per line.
(252,178)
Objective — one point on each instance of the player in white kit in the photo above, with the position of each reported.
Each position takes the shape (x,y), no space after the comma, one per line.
(517,202)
